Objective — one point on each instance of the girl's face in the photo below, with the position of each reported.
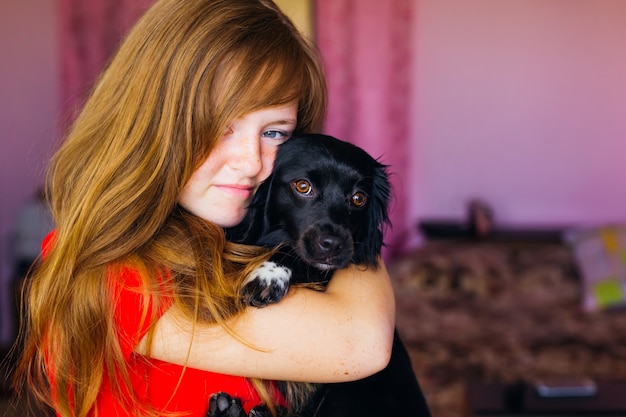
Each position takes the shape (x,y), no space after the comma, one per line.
(220,190)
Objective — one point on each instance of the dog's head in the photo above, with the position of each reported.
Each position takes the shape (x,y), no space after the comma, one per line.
(327,199)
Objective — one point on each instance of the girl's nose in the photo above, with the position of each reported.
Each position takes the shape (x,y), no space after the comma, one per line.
(247,155)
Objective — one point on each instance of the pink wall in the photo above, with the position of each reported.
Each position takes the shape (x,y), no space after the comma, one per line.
(522,103)
(28,112)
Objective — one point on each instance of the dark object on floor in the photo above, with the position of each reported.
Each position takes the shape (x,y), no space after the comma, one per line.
(523,398)
(480,219)
(443,229)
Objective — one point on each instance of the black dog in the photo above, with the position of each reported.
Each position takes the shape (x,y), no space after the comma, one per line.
(326,203)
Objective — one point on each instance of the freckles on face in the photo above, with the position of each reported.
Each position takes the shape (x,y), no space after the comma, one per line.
(221,189)
(268,156)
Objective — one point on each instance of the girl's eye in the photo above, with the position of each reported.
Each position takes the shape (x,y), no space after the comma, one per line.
(359,199)
(276,134)
(302,187)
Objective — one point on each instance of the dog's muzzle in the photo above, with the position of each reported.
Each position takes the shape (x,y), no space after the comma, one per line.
(326,246)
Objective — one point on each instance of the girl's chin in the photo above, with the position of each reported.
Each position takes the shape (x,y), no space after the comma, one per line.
(230,215)
(230,221)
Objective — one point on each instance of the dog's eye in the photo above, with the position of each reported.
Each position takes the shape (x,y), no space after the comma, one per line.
(302,187)
(359,199)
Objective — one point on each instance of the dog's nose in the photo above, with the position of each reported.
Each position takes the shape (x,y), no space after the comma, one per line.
(329,245)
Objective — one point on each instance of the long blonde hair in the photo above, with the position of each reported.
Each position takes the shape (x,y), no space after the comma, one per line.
(184,72)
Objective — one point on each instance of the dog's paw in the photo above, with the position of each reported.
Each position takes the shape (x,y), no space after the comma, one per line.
(223,405)
(268,284)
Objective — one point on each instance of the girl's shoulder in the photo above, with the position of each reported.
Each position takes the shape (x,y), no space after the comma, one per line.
(47,242)
(137,304)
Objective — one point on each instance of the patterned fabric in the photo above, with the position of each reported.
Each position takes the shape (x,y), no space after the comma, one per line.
(500,312)
(366,46)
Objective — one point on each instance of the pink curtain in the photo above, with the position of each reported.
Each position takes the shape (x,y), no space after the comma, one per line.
(366,46)
(90,30)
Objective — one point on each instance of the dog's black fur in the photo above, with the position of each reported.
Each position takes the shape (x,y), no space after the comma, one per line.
(326,203)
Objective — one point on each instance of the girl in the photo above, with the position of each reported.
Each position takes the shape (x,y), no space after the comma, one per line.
(135,309)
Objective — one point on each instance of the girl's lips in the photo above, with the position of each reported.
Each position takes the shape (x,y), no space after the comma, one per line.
(242,191)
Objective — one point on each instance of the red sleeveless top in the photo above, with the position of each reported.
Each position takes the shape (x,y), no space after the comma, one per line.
(163,386)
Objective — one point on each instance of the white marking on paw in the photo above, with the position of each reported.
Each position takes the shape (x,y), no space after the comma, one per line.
(271,273)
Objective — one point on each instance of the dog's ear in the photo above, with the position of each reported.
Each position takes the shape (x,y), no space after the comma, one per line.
(369,239)
(264,195)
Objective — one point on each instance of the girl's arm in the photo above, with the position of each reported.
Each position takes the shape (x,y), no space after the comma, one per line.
(342,334)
